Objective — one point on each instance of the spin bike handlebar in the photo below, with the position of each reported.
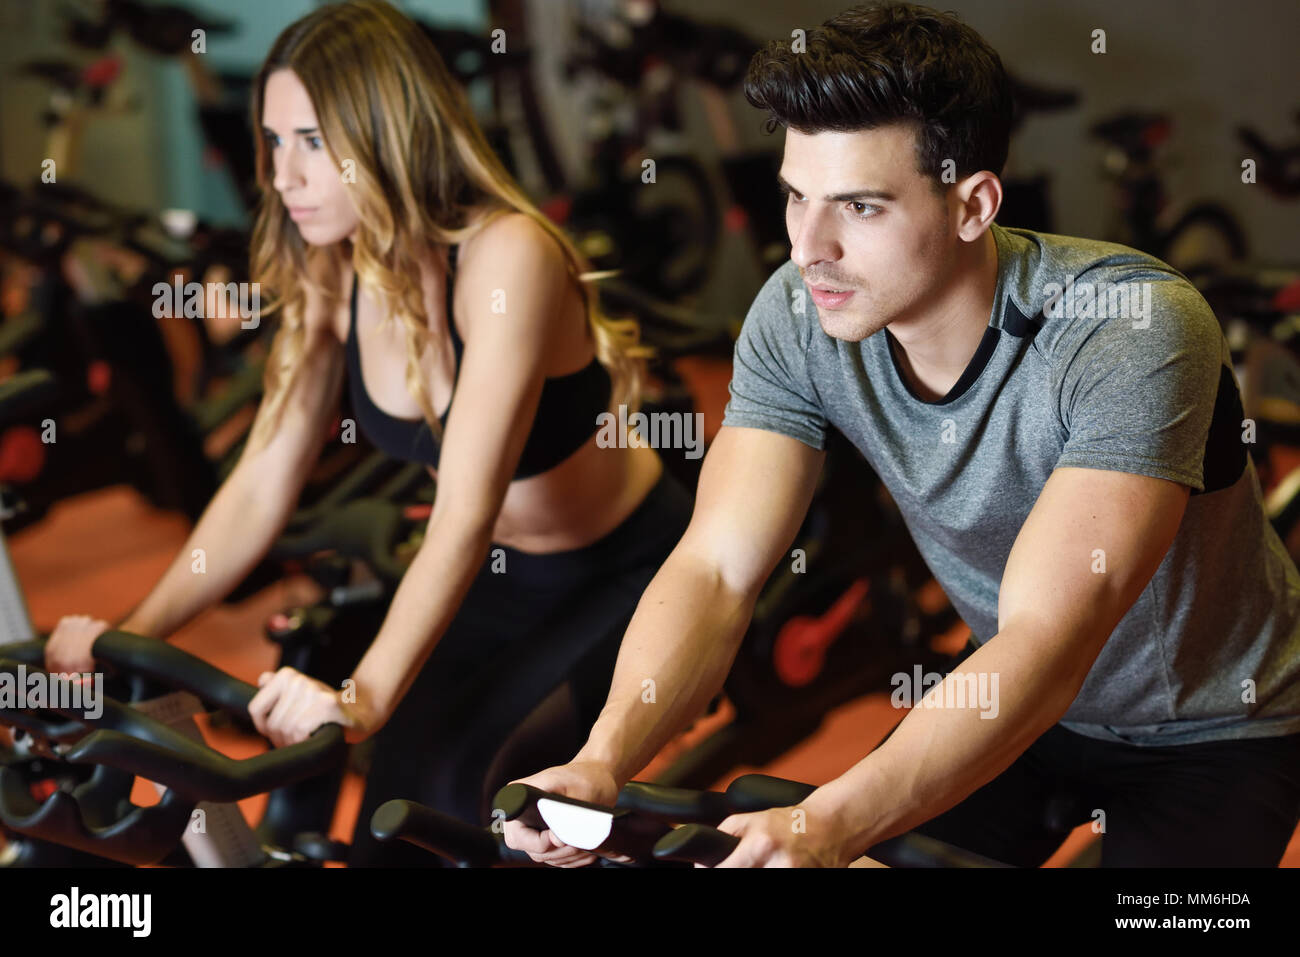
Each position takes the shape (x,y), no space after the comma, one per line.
(123,742)
(640,826)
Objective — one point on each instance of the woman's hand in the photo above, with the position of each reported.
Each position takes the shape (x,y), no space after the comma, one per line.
(68,650)
(290,706)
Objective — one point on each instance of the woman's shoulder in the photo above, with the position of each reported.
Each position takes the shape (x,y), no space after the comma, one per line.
(507,238)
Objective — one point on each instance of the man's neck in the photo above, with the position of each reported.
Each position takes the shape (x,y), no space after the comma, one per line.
(934,349)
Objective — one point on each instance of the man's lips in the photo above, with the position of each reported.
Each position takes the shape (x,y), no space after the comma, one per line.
(827,298)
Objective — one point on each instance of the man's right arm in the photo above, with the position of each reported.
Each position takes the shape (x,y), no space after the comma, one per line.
(754,491)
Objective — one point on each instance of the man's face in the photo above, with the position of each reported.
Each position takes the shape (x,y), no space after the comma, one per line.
(863,221)
(309,183)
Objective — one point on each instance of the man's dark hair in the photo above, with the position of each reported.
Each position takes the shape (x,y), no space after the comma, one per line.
(896,62)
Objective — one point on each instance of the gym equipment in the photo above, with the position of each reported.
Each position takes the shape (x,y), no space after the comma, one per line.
(639,826)
(328,541)
(1278,167)
(1132,141)
(1026,199)
(153,737)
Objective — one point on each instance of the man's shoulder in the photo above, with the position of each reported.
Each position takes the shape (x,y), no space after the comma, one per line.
(1075,287)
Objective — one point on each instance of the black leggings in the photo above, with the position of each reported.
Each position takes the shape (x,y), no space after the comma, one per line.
(520,676)
(1217,804)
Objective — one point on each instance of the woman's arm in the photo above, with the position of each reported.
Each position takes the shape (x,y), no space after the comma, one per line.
(255,502)
(248,511)
(497,393)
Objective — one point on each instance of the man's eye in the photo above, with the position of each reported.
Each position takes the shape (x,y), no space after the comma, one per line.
(863,210)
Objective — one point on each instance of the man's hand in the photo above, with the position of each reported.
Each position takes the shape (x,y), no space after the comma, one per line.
(580,780)
(785,837)
(291,706)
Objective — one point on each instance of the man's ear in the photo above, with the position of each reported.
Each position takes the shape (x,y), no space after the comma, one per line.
(979,199)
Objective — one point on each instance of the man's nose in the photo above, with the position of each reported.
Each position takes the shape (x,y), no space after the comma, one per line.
(813,240)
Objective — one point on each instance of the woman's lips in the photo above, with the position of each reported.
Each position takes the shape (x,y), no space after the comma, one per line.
(300,212)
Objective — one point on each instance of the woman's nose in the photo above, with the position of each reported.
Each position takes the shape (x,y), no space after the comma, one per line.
(287,172)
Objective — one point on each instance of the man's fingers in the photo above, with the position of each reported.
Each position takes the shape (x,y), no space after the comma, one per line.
(521,837)
(544,847)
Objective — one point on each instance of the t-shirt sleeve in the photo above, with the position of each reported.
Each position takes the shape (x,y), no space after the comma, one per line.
(1138,396)
(770,387)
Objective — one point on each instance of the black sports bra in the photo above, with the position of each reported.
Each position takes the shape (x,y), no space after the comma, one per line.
(566,413)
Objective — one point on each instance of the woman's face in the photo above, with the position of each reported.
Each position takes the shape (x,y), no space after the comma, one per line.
(309,183)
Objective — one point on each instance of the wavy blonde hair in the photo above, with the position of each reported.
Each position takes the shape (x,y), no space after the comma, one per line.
(385,99)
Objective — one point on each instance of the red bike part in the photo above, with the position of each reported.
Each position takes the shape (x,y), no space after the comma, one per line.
(801,645)
(99,376)
(1156,133)
(1287,299)
(43,789)
(22,454)
(103,71)
(416,513)
(557,209)
(735,219)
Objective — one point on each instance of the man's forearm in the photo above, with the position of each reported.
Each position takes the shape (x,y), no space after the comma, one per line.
(673,660)
(940,754)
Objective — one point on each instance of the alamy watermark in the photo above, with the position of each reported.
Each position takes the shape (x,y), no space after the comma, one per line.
(21,690)
(1099,300)
(74,909)
(963,689)
(657,430)
(215,300)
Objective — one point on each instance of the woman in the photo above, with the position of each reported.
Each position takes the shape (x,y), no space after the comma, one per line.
(403,257)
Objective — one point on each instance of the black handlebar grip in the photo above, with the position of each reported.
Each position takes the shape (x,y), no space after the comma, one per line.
(696,844)
(921,850)
(681,805)
(518,802)
(441,834)
(759,792)
(177,669)
(204,774)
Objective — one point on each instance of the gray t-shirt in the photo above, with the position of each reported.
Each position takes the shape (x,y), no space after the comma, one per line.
(1054,384)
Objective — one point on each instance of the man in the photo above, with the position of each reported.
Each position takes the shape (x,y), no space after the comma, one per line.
(1059,424)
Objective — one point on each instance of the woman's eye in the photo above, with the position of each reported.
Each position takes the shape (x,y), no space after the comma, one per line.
(315,142)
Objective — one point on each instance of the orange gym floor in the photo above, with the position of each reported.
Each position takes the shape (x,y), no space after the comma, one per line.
(98,554)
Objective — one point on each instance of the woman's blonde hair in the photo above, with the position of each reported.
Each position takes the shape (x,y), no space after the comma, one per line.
(385,100)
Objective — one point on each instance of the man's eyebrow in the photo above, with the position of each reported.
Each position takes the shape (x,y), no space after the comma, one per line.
(849,197)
